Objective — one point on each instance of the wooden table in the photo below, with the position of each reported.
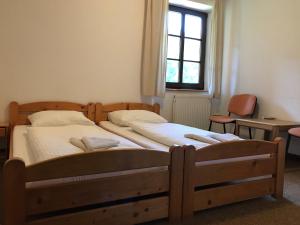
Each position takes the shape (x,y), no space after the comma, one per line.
(271,127)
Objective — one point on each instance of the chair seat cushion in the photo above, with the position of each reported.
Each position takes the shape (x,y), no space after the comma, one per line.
(295,131)
(221,119)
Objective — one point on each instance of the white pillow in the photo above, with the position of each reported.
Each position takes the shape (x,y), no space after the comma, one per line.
(53,118)
(125,117)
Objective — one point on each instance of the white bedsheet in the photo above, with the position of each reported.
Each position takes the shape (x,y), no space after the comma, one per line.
(45,143)
(170,133)
(130,134)
(20,144)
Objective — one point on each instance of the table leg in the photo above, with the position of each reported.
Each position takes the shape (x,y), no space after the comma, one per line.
(275,133)
(267,135)
(237,129)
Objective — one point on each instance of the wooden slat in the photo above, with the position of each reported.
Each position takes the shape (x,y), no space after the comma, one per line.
(13,113)
(280,168)
(142,106)
(125,214)
(213,197)
(14,192)
(97,162)
(19,113)
(115,107)
(42,106)
(71,195)
(103,110)
(235,149)
(176,183)
(23,119)
(222,172)
(188,182)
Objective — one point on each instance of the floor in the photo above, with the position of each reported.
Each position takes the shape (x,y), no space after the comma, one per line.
(263,211)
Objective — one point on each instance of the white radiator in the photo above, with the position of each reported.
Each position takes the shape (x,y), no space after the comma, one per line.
(192,111)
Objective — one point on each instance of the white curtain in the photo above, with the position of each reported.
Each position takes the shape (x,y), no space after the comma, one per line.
(154,55)
(215,49)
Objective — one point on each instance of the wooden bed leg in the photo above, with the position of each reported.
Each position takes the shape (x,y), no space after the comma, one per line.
(14,192)
(279,178)
(188,184)
(176,183)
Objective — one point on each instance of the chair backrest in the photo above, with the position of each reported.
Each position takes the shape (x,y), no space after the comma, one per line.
(242,105)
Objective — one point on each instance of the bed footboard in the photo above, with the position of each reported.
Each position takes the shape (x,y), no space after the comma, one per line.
(232,172)
(111,187)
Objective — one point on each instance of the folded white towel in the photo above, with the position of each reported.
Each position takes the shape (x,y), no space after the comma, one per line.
(214,138)
(202,138)
(226,137)
(78,143)
(94,143)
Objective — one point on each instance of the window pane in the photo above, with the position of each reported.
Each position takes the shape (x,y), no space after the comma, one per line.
(193,25)
(173,47)
(172,71)
(192,50)
(191,73)
(174,21)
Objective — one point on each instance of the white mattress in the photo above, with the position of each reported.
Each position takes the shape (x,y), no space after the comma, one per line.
(42,143)
(130,134)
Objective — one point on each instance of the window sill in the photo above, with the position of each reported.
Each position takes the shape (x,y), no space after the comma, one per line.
(188,93)
(186,90)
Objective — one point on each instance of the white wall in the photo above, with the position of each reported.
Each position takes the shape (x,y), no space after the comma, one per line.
(72,50)
(262,55)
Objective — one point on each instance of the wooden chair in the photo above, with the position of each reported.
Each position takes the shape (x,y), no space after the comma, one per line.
(240,105)
(295,132)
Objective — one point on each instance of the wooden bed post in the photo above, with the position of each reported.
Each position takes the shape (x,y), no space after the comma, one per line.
(156,108)
(176,184)
(14,192)
(188,183)
(98,113)
(13,111)
(91,110)
(280,165)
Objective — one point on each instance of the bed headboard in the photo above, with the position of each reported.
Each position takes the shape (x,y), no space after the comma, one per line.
(18,113)
(103,110)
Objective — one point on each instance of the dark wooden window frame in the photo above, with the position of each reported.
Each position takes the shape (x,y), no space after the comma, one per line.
(204,16)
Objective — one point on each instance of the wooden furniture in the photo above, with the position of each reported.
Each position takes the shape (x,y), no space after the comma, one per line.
(135,186)
(293,132)
(4,133)
(109,187)
(18,114)
(231,172)
(271,127)
(240,105)
(112,187)
(224,173)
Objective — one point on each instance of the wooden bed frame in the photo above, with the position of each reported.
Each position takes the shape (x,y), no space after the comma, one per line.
(231,172)
(18,114)
(225,175)
(134,186)
(111,187)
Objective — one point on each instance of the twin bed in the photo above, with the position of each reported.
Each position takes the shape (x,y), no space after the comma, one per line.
(132,183)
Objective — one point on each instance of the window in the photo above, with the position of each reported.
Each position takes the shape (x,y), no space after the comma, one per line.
(186,48)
